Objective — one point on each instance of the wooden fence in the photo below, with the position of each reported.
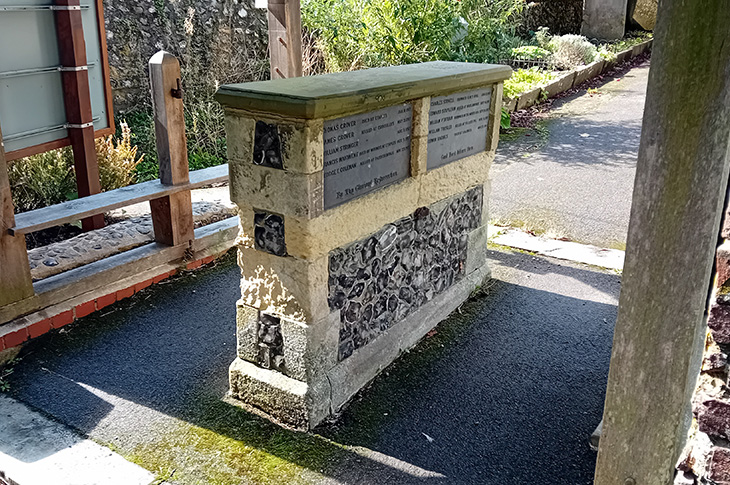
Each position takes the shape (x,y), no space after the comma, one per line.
(172,216)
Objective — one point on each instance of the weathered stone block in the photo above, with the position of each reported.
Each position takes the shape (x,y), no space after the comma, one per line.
(560,85)
(719,322)
(530,98)
(713,418)
(722,264)
(419,136)
(645,13)
(287,287)
(604,19)
(587,72)
(719,467)
(277,191)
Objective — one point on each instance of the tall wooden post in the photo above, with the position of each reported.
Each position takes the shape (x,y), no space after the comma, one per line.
(172,215)
(285,38)
(679,193)
(77,100)
(15,280)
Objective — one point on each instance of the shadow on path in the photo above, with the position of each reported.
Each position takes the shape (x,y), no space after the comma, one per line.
(508,389)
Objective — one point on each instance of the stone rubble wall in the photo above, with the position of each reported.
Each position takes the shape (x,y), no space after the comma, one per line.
(217,42)
(706,458)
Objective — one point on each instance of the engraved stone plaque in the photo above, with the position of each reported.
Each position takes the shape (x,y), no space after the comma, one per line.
(457,126)
(366,152)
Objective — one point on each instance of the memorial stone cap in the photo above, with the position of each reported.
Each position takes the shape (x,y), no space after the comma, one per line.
(330,95)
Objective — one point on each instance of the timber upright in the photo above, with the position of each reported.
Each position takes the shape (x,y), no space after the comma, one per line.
(363,205)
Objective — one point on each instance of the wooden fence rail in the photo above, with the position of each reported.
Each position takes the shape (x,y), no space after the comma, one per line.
(169,197)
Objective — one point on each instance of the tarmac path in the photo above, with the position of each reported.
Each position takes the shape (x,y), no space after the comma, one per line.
(507,390)
(573,176)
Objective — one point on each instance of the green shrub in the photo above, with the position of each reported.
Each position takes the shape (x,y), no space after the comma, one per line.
(42,180)
(530,52)
(524,80)
(205,131)
(572,50)
(117,160)
(492,29)
(354,34)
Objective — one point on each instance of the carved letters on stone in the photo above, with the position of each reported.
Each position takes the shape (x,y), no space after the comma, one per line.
(366,152)
(457,126)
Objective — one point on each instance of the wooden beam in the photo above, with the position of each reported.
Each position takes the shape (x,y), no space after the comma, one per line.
(679,193)
(73,210)
(172,215)
(285,38)
(15,280)
(77,100)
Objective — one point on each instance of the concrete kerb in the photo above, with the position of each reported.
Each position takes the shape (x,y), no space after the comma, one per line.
(577,76)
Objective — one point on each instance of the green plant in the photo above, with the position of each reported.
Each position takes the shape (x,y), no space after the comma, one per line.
(5,372)
(492,29)
(506,119)
(606,54)
(117,160)
(530,52)
(42,180)
(542,37)
(524,80)
(572,50)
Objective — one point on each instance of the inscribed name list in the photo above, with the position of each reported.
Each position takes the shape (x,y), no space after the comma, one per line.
(457,126)
(366,152)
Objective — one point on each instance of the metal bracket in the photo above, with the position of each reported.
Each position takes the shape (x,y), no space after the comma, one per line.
(73,69)
(177,93)
(82,125)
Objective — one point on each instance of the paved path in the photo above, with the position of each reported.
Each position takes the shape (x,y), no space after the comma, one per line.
(507,391)
(574,176)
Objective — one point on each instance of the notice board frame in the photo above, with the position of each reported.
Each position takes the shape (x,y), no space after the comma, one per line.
(107,89)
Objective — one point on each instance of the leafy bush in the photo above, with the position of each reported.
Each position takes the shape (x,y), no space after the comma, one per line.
(524,80)
(117,160)
(49,178)
(531,52)
(354,34)
(42,180)
(492,29)
(572,50)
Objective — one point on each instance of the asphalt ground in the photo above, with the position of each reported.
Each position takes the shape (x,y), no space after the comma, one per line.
(573,175)
(507,390)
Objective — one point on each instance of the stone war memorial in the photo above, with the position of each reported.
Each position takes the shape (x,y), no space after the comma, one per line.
(363,205)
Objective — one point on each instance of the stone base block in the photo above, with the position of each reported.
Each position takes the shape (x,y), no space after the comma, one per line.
(303,405)
(285,399)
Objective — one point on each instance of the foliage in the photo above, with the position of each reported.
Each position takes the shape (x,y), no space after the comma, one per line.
(354,34)
(5,372)
(572,50)
(631,39)
(523,80)
(49,178)
(531,52)
(42,180)
(117,160)
(606,54)
(491,29)
(506,119)
(206,137)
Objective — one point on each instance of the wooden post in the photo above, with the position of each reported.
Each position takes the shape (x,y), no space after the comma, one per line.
(77,100)
(172,215)
(285,38)
(15,280)
(680,188)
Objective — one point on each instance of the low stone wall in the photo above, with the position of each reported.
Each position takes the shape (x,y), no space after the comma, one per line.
(362,199)
(706,458)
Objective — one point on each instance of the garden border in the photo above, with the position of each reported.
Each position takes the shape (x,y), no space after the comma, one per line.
(574,78)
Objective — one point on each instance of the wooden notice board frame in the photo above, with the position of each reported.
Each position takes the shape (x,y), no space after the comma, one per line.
(106,80)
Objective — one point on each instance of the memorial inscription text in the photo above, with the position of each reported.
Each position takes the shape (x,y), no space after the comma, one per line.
(457,126)
(366,152)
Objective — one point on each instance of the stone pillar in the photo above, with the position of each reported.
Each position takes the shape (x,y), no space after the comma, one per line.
(362,199)
(681,185)
(604,19)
